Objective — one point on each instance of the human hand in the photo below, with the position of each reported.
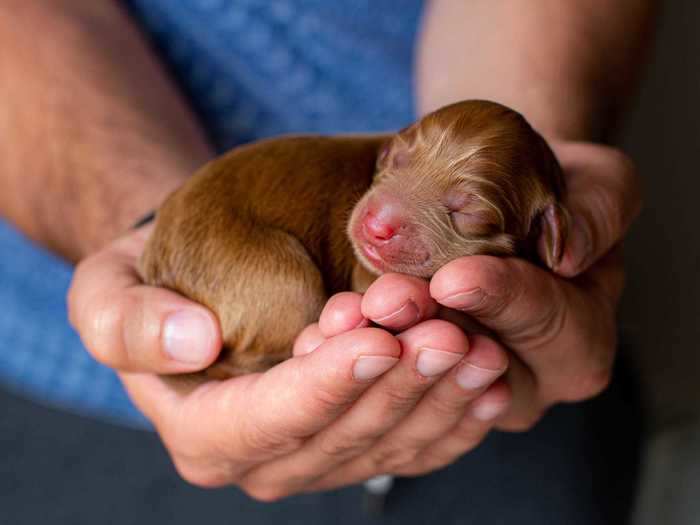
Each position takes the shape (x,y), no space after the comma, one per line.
(129,326)
(356,406)
(560,329)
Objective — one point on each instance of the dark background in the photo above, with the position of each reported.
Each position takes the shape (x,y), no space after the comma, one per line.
(661,311)
(114,469)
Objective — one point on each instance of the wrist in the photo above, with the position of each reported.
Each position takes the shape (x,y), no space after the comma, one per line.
(88,154)
(108,220)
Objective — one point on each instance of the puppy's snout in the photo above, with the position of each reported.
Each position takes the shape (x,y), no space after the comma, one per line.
(383,219)
(377,230)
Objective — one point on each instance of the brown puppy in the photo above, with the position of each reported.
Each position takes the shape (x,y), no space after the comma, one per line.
(264,234)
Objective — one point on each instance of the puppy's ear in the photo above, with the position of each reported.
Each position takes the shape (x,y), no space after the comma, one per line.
(383,154)
(552,225)
(396,153)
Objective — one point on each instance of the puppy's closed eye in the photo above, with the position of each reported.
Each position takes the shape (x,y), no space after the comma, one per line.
(471,215)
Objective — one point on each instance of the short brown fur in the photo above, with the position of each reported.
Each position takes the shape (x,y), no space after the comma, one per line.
(264,234)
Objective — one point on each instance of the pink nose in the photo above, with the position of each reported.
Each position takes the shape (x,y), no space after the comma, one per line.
(377,229)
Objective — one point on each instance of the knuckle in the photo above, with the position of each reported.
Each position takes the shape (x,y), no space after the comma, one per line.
(587,385)
(444,405)
(103,334)
(199,477)
(520,422)
(343,444)
(328,400)
(399,400)
(394,459)
(435,459)
(468,434)
(502,288)
(265,492)
(256,439)
(493,275)
(544,325)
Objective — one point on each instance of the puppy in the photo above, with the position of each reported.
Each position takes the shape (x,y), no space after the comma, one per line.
(266,233)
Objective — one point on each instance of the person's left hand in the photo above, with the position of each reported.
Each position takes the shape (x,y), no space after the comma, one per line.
(561,329)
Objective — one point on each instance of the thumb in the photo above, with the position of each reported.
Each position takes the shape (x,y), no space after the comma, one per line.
(132,327)
(258,416)
(603,197)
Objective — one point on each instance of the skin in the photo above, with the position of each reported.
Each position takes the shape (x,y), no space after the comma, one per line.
(243,431)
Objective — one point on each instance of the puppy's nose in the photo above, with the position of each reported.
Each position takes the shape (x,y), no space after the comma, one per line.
(376,229)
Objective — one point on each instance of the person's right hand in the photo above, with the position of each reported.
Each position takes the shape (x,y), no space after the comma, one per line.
(352,403)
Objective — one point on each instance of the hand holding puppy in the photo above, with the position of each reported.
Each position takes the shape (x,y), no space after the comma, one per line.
(218,433)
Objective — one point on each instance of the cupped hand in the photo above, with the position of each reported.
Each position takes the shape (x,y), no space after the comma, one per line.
(352,403)
(561,329)
(355,401)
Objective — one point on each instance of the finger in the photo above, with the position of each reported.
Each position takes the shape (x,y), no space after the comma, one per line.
(526,408)
(470,430)
(219,429)
(377,411)
(342,313)
(308,340)
(562,333)
(133,327)
(398,301)
(300,396)
(440,409)
(466,435)
(523,304)
(603,196)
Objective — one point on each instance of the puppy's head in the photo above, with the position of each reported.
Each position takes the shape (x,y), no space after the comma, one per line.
(470,178)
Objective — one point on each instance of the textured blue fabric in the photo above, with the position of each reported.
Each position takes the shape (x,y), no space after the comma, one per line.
(255,68)
(252,68)
(40,355)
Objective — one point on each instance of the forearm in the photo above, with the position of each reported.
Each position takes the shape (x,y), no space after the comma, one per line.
(567,66)
(94,134)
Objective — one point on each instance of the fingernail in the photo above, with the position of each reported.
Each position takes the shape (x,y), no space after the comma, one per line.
(464,300)
(488,411)
(407,314)
(187,337)
(370,366)
(471,377)
(580,242)
(433,362)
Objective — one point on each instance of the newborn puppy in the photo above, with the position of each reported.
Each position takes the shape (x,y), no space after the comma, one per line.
(264,234)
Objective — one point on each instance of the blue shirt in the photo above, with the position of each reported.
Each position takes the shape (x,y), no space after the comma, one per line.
(255,68)
(251,69)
